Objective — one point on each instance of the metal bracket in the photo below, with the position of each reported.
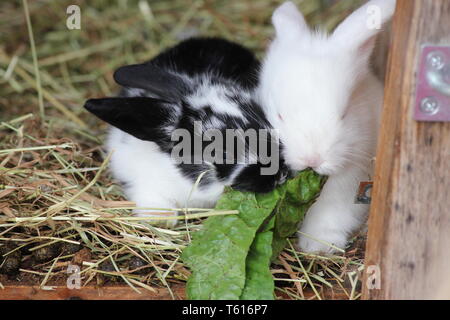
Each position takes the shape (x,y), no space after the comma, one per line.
(433,85)
(364,193)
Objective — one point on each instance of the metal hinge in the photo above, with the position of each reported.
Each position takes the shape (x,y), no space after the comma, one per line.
(433,85)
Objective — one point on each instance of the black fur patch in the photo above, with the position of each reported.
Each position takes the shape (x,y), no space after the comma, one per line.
(203,56)
(143,118)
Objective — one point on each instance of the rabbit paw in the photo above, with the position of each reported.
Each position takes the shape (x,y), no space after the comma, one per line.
(329,240)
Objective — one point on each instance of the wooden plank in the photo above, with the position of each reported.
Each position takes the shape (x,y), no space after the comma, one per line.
(21,292)
(123,292)
(409,224)
(380,53)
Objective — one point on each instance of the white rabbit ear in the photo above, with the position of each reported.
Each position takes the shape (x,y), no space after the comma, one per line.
(288,21)
(358,31)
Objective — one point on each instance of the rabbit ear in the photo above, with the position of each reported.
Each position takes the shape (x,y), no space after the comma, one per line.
(289,22)
(358,31)
(144,118)
(158,82)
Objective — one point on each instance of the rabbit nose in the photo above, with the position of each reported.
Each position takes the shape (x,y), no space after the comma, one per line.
(314,162)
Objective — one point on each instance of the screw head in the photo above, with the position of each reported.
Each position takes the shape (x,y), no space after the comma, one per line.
(429,106)
(436,60)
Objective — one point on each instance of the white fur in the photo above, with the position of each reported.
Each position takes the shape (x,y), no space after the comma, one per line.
(151,178)
(318,91)
(215,96)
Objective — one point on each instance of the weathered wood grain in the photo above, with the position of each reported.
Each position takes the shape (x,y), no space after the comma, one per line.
(381,51)
(409,224)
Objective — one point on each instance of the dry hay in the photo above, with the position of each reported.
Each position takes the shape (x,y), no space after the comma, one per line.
(58,203)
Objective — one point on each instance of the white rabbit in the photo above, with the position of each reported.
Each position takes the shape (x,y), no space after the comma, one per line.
(319,92)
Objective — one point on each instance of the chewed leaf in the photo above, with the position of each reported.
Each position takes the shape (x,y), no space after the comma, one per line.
(217,255)
(230,257)
(301,192)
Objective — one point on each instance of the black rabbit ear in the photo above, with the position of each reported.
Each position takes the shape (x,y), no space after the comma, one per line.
(159,82)
(144,118)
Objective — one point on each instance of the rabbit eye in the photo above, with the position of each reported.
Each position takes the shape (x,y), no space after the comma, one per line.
(280,117)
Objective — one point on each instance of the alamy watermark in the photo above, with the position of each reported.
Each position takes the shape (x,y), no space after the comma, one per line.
(373,279)
(237,146)
(74,279)
(73,21)
(374,20)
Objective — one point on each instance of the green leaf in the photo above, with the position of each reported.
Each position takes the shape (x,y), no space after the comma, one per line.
(230,257)
(259,284)
(217,255)
(300,194)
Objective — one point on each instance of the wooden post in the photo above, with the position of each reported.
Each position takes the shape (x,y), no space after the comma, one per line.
(409,224)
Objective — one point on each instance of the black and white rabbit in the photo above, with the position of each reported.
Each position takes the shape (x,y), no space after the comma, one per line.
(208,81)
